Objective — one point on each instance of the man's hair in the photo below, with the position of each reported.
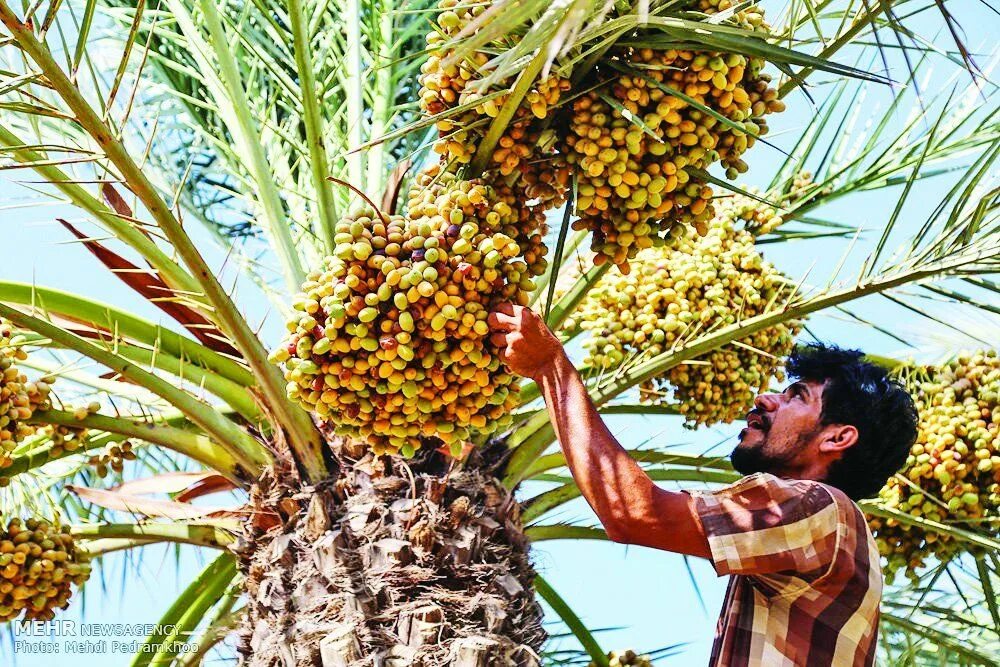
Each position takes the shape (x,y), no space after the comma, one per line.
(860,393)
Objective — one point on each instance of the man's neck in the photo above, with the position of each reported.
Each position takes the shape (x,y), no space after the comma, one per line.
(812,470)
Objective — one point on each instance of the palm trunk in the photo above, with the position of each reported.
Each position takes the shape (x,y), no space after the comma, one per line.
(388,563)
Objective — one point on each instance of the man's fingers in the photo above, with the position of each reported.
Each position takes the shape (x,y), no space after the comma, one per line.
(500,322)
(502,354)
(499,339)
(493,320)
(506,307)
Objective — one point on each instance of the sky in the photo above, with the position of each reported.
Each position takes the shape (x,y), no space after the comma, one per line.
(649,597)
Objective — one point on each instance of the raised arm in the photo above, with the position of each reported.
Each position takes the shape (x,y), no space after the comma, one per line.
(629,505)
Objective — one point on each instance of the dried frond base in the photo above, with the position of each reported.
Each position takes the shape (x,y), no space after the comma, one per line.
(391,563)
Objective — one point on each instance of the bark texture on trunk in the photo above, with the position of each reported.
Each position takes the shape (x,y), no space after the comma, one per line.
(388,563)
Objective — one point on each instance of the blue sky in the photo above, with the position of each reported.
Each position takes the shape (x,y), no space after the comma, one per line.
(648,594)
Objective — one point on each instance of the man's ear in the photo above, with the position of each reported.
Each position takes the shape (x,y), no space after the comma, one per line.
(837,438)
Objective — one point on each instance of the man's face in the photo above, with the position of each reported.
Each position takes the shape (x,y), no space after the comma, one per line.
(780,430)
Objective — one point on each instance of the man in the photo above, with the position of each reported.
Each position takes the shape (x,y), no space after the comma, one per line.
(807,582)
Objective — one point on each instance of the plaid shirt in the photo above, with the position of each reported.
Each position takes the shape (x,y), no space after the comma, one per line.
(808,581)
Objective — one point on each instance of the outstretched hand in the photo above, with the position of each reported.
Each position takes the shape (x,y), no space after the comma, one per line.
(526,345)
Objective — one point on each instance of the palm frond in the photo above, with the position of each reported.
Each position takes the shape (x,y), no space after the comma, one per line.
(931,620)
(89,112)
(572,621)
(187,612)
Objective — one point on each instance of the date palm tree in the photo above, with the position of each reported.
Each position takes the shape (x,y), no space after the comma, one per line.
(154,120)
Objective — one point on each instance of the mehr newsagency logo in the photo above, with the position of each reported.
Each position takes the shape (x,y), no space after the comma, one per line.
(75,629)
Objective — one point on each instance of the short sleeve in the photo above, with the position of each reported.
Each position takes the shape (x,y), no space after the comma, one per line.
(764,525)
